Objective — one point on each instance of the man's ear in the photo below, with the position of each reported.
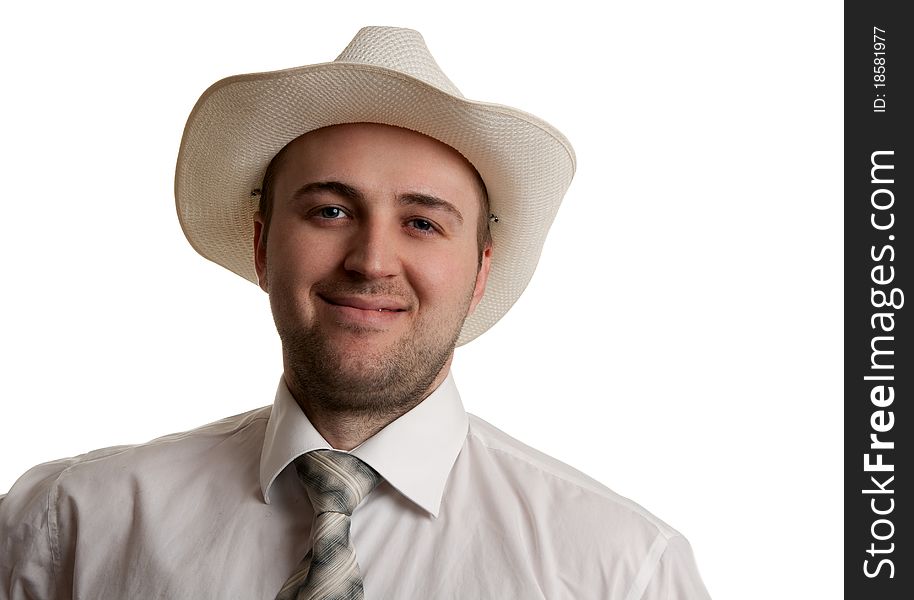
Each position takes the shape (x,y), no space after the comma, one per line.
(260,252)
(482,277)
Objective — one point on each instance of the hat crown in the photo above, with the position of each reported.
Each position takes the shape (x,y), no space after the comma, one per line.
(397,49)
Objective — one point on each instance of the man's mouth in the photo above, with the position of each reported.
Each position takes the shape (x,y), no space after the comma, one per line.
(366,303)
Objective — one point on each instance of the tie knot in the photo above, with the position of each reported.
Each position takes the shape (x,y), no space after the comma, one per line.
(335,481)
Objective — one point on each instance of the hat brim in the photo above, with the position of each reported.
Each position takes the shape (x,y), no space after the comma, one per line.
(241,122)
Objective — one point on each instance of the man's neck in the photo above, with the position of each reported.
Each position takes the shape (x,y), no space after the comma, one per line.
(345,430)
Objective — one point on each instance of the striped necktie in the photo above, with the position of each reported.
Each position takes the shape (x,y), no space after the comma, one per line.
(336,483)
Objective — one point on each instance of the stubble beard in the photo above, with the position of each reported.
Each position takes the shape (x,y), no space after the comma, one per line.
(377,385)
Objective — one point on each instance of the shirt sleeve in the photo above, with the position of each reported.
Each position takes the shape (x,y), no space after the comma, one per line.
(676,575)
(28,544)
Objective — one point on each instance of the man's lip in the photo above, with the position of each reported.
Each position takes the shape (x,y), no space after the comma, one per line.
(376,303)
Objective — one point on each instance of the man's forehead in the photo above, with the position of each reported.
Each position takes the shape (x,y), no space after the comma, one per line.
(313,146)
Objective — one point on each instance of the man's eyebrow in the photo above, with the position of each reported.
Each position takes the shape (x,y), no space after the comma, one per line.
(431,202)
(334,187)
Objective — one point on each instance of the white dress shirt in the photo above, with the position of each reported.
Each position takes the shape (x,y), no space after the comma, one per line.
(464,511)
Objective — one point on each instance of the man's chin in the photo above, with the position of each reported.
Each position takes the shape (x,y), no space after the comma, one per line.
(363,350)
(364,372)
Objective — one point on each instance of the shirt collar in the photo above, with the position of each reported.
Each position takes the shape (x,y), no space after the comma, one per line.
(414,453)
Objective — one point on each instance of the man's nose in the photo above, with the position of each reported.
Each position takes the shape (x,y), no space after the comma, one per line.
(373,251)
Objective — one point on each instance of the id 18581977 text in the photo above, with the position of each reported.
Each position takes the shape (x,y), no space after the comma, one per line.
(879,102)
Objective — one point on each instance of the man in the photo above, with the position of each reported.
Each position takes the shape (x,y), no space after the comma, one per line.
(389,219)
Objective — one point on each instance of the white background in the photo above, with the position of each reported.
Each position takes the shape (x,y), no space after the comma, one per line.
(680,341)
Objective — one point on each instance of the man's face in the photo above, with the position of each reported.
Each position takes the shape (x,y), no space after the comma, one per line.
(371,264)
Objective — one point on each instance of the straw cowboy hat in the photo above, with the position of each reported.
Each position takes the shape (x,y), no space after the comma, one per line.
(386,75)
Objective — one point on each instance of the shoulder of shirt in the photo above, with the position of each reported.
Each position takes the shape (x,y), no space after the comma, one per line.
(131,457)
(499,442)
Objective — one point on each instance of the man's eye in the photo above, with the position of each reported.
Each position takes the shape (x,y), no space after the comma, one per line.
(331,212)
(422,225)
